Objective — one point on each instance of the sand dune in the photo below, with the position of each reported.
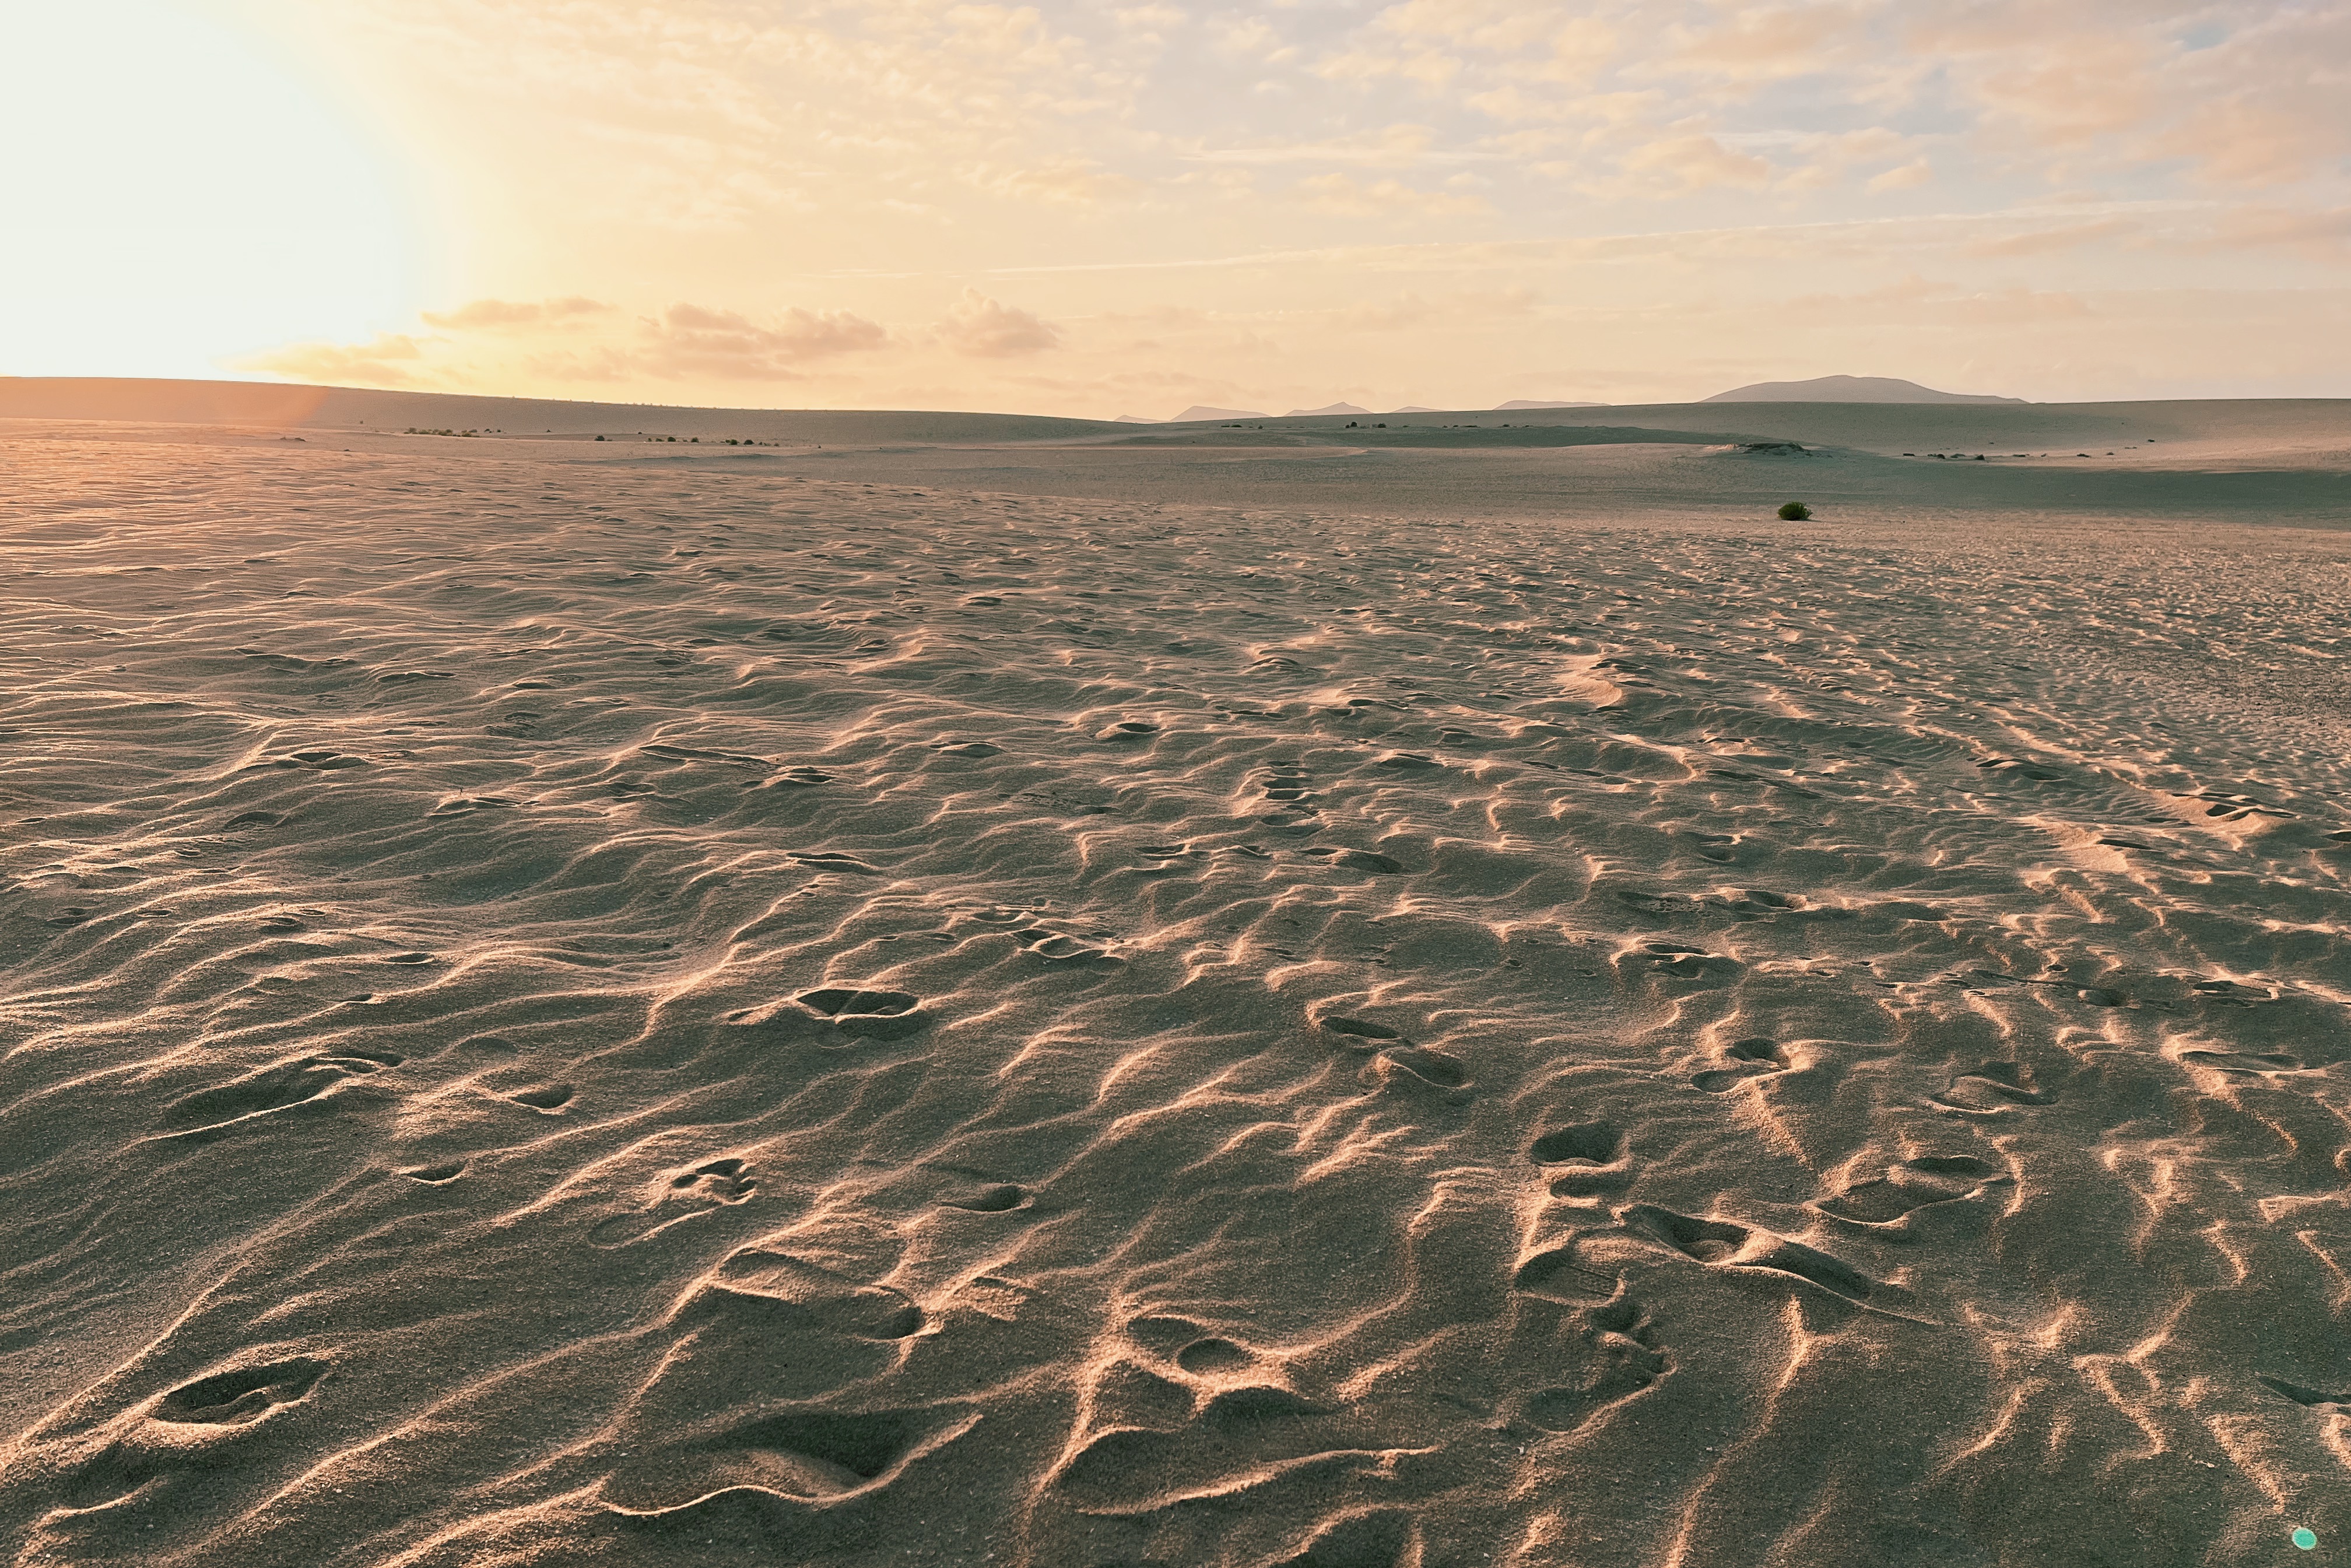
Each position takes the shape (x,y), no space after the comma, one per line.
(1384,1005)
(1849,389)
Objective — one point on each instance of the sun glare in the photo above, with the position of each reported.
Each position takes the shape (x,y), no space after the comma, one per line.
(173,197)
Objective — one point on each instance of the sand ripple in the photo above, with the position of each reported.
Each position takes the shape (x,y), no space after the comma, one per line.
(560,1014)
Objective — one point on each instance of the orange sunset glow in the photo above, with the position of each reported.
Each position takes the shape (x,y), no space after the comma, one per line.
(1124,209)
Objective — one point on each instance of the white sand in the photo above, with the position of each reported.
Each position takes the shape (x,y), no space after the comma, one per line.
(568,1003)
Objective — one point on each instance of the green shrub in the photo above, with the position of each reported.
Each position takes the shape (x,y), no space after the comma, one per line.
(1795,512)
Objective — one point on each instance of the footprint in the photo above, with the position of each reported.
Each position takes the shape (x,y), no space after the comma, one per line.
(1168,859)
(1724,1242)
(721,1180)
(1000,1199)
(1409,762)
(1242,1440)
(799,778)
(1722,849)
(245,1395)
(1912,1184)
(1660,903)
(870,1015)
(1419,1069)
(2236,807)
(276,924)
(1708,1241)
(1583,1160)
(1285,787)
(1212,1354)
(1558,1277)
(318,760)
(1245,1410)
(973,749)
(1587,1142)
(1163,1334)
(2230,992)
(1061,949)
(809,1456)
(2311,1399)
(434,1175)
(1684,963)
(1356,859)
(198,1426)
(1630,1361)
(820,1296)
(1992,1088)
(834,860)
(466,806)
(1128,730)
(548,1101)
(1754,1058)
(282,1087)
(409,959)
(1353,1029)
(688,1194)
(2240,1062)
(247,821)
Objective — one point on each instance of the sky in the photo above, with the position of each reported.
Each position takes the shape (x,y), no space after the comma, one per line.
(1109,209)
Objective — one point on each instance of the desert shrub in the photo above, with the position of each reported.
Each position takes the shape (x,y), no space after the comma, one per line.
(1795,512)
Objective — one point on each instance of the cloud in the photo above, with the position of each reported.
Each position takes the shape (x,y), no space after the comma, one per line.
(982,329)
(1904,177)
(692,340)
(391,359)
(1389,146)
(2325,232)
(1073,181)
(491,314)
(1768,43)
(2064,237)
(1410,310)
(1344,196)
(1688,163)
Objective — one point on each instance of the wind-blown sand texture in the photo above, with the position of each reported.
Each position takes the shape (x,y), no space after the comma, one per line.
(685,1010)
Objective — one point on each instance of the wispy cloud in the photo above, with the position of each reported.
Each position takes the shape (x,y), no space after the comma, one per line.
(1152,193)
(983,328)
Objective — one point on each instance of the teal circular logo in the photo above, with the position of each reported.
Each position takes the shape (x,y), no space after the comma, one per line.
(2304,1539)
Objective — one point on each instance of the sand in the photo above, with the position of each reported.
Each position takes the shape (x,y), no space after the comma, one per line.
(1073,998)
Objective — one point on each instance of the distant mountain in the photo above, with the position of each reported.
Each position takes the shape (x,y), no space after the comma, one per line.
(1847,390)
(1333,409)
(1534,403)
(1202,411)
(1414,409)
(1133,420)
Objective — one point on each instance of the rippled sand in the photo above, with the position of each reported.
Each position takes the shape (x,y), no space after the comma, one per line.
(624,1013)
